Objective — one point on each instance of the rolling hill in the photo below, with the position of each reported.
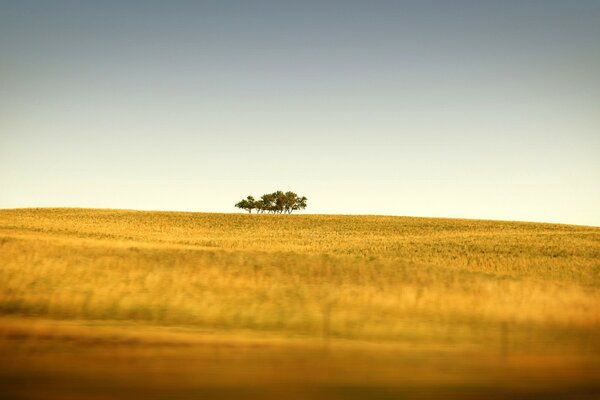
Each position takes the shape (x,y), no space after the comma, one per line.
(121,304)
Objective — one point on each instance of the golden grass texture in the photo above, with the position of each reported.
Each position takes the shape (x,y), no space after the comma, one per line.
(443,298)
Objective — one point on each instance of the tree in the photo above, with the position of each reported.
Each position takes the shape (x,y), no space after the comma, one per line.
(247,204)
(277,202)
(260,206)
(268,201)
(289,201)
(280,199)
(300,203)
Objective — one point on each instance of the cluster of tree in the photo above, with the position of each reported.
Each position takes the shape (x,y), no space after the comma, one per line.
(277,202)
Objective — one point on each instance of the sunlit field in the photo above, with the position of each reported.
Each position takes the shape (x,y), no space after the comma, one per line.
(104,304)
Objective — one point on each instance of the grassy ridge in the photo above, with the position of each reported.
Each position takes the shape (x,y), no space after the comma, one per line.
(522,289)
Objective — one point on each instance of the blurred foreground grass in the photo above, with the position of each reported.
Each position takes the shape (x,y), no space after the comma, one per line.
(126,304)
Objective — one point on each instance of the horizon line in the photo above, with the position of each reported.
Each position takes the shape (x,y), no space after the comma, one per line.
(296,214)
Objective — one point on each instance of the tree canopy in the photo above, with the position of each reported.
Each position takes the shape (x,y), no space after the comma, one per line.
(277,203)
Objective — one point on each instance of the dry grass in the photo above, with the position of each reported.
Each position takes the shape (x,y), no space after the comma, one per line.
(439,300)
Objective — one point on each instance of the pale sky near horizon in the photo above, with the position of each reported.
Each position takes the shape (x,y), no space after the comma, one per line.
(469,109)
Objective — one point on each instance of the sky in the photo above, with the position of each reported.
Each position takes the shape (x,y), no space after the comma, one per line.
(467,109)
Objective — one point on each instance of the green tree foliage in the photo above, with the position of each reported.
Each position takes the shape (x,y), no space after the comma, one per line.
(268,202)
(300,203)
(248,204)
(277,203)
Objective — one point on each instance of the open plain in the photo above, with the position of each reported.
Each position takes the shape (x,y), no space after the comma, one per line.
(118,304)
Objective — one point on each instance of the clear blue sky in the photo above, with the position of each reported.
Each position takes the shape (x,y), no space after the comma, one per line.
(472,109)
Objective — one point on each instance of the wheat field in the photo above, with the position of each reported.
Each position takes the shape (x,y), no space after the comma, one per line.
(105,304)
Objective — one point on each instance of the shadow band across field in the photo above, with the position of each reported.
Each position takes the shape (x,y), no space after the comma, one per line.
(102,360)
(121,304)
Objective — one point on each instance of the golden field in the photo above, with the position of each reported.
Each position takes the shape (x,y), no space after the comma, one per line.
(106,304)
